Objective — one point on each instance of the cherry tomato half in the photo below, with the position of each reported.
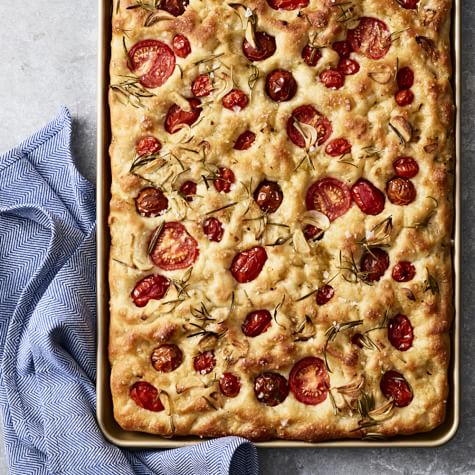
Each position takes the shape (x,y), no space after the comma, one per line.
(400,332)
(213,229)
(204,362)
(406,167)
(268,196)
(176,117)
(307,114)
(147,146)
(245,140)
(403,271)
(271,388)
(152,287)
(325,294)
(309,380)
(229,385)
(248,264)
(288,4)
(151,202)
(235,100)
(311,55)
(166,358)
(371,37)
(145,395)
(202,86)
(329,196)
(265,47)
(400,191)
(369,199)
(374,263)
(394,386)
(181,46)
(281,86)
(256,322)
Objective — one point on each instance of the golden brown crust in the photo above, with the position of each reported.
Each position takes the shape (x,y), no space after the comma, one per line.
(361,112)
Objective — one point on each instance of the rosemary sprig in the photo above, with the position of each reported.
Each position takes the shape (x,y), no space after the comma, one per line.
(276,311)
(132,90)
(305,330)
(333,332)
(229,205)
(431,283)
(379,235)
(154,239)
(350,271)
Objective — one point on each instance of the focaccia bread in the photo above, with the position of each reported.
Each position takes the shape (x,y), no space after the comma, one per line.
(281,217)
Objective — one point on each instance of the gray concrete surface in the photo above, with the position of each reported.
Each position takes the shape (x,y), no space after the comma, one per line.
(48,58)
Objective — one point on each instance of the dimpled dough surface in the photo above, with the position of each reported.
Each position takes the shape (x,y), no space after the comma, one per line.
(365,113)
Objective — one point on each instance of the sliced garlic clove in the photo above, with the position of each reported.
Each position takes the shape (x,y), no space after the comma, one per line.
(308,132)
(300,243)
(317,219)
(402,128)
(382,76)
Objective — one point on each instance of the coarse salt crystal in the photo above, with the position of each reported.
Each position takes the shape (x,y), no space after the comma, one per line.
(348,234)
(326,274)
(248,12)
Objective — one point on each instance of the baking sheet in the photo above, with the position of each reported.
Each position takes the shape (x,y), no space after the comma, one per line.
(112,431)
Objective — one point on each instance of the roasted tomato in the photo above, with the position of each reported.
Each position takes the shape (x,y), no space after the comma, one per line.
(153,61)
(395,387)
(188,190)
(174,7)
(235,100)
(343,48)
(177,118)
(400,191)
(245,140)
(400,332)
(204,362)
(371,37)
(329,196)
(147,146)
(213,228)
(307,114)
(146,396)
(348,66)
(288,4)
(403,271)
(268,196)
(369,199)
(406,167)
(265,47)
(309,380)
(311,55)
(271,388)
(151,202)
(325,294)
(256,322)
(229,385)
(181,46)
(405,78)
(166,358)
(202,86)
(404,98)
(174,248)
(332,78)
(408,4)
(152,287)
(224,180)
(338,147)
(281,85)
(312,233)
(374,263)
(248,264)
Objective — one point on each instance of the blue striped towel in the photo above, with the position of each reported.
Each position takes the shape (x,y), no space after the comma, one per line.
(47,327)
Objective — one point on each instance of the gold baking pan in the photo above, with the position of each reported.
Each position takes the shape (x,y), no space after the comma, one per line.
(110,428)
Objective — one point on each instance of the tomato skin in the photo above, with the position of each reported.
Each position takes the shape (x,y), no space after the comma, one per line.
(338,147)
(400,191)
(151,202)
(311,55)
(245,140)
(309,380)
(325,294)
(147,146)
(371,37)
(145,395)
(400,332)
(152,287)
(307,114)
(166,358)
(374,263)
(406,167)
(403,271)
(271,388)
(329,196)
(229,385)
(248,264)
(224,181)
(281,85)
(408,4)
(174,7)
(256,323)
(268,196)
(174,248)
(235,100)
(369,199)
(356,340)
(394,386)
(153,61)
(404,98)
(265,47)
(343,48)
(332,79)
(213,229)
(312,233)
(202,86)
(348,66)
(204,362)
(405,78)
(188,190)
(288,4)
(177,117)
(181,46)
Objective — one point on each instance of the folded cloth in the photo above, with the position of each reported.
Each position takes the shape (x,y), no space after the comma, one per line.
(48,327)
